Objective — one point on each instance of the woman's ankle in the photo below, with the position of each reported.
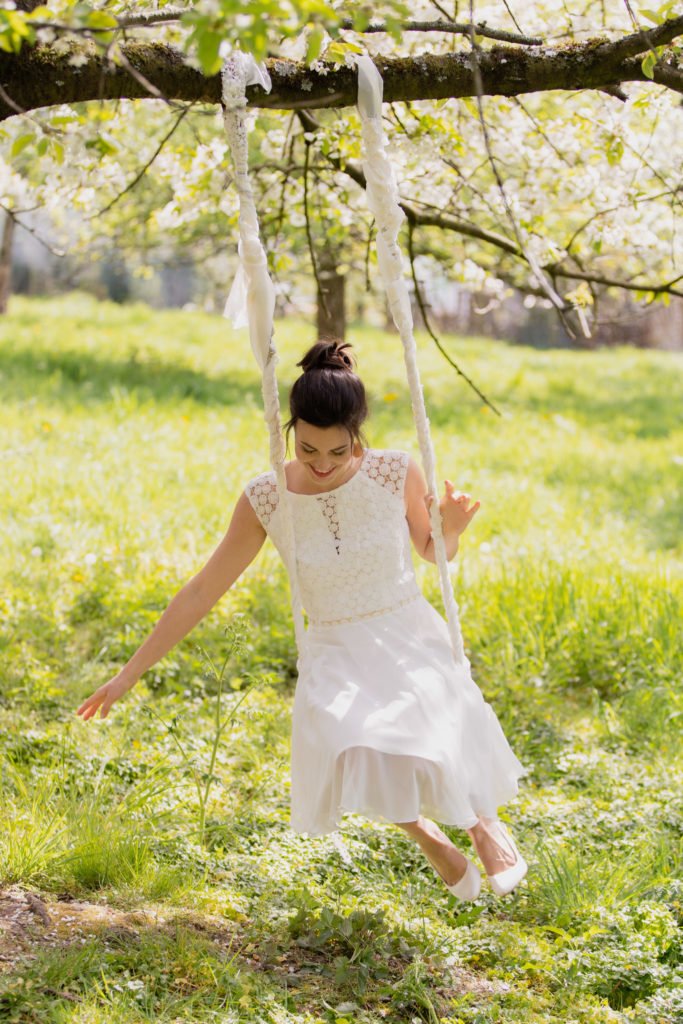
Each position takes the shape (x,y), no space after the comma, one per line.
(492,845)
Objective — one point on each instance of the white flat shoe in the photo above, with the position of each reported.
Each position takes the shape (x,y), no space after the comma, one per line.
(467,887)
(505,881)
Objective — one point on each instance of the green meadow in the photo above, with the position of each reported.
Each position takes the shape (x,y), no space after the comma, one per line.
(147,867)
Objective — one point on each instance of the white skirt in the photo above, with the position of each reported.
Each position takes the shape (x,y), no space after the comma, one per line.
(386,724)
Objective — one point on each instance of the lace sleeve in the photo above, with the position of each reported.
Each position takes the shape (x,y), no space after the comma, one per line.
(263,496)
(388,467)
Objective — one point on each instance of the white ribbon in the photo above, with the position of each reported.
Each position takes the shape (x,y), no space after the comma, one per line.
(383,201)
(251,302)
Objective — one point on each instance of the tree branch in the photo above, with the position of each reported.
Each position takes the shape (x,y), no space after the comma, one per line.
(452,28)
(32,231)
(428,327)
(557,300)
(39,76)
(448,222)
(309,234)
(143,170)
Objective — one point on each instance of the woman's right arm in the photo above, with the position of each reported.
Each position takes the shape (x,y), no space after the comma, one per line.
(238,548)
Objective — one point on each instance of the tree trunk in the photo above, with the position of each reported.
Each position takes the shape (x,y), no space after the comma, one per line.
(331,317)
(6,262)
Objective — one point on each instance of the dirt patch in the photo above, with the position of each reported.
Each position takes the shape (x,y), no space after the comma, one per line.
(27,920)
(29,923)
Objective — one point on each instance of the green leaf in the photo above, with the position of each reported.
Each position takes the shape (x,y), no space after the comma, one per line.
(103,144)
(615,150)
(40,13)
(100,19)
(394,27)
(337,51)
(17,22)
(13,30)
(315,42)
(648,64)
(21,142)
(208,44)
(192,17)
(652,16)
(41,148)
(102,23)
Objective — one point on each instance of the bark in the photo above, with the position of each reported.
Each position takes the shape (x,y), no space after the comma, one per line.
(40,77)
(331,313)
(6,262)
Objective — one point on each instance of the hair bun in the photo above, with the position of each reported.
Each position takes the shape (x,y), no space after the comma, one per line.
(328,354)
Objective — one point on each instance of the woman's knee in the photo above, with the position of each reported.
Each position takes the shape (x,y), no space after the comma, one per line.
(413,828)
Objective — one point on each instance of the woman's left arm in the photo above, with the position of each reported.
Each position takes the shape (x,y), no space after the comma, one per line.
(456,513)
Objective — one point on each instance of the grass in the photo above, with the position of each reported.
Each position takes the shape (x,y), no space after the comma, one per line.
(171,886)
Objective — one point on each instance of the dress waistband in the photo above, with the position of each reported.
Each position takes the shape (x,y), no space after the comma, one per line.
(368,615)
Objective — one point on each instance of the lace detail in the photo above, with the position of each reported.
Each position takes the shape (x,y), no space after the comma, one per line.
(368,615)
(353,545)
(328,506)
(262,493)
(388,468)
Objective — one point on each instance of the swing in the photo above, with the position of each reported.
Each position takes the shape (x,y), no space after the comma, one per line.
(251,301)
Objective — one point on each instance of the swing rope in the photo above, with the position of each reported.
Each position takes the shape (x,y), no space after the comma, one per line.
(252,299)
(382,198)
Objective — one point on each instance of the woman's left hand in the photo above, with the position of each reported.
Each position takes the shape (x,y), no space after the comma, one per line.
(456,510)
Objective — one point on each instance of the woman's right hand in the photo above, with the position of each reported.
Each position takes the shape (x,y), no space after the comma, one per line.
(239,547)
(104,697)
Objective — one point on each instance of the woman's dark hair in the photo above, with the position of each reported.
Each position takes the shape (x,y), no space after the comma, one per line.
(328,393)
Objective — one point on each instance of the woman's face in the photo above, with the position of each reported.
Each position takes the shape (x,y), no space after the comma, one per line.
(326,453)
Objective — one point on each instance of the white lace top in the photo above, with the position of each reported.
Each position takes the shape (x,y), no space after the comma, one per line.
(352,543)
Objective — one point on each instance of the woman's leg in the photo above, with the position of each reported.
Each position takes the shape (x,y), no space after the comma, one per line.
(492,846)
(488,840)
(437,848)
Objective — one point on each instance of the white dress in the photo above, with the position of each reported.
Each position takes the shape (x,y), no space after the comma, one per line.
(385,723)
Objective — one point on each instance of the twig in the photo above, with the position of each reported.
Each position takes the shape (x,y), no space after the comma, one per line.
(611,282)
(288,156)
(451,28)
(640,31)
(152,17)
(558,152)
(32,231)
(556,300)
(442,10)
(144,82)
(448,222)
(367,259)
(10,102)
(144,170)
(63,995)
(514,20)
(428,326)
(309,236)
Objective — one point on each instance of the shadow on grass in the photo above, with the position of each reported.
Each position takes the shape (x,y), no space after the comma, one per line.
(74,377)
(635,403)
(107,960)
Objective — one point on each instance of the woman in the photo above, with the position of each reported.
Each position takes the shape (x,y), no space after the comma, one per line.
(385,722)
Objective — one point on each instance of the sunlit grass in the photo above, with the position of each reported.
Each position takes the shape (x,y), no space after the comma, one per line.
(127,436)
